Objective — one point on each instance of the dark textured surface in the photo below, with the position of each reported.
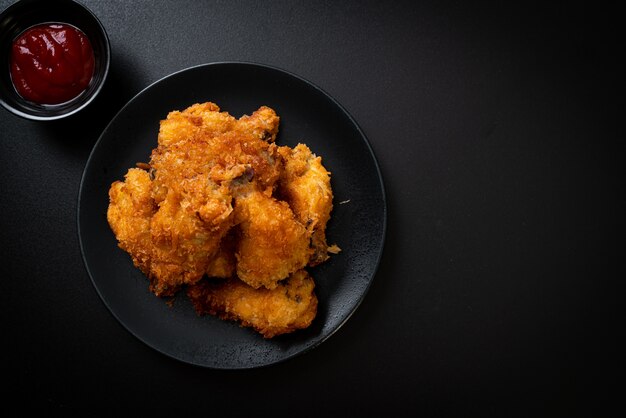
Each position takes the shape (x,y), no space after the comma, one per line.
(499,133)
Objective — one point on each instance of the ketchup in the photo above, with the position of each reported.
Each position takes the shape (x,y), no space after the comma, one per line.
(51,63)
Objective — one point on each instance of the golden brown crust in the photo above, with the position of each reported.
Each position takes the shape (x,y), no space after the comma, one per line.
(218,198)
(272,244)
(130,210)
(290,306)
(305,185)
(200,151)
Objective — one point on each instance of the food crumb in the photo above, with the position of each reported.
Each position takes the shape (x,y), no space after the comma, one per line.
(334,249)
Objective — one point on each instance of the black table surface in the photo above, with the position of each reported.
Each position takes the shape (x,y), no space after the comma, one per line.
(496,130)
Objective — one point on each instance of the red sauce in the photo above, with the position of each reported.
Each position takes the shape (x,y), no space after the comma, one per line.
(51,63)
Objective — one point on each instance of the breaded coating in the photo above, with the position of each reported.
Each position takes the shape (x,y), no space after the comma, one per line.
(305,185)
(290,306)
(200,151)
(199,119)
(262,124)
(182,243)
(187,164)
(168,243)
(272,243)
(219,199)
(218,154)
(130,210)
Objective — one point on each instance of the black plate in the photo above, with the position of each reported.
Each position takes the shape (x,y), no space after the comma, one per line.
(307,115)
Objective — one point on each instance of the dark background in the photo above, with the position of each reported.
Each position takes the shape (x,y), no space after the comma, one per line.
(498,131)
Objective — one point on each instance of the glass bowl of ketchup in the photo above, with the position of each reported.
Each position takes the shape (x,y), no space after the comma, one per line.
(55,57)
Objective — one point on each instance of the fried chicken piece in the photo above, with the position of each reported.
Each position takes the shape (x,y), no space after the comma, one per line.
(305,185)
(183,244)
(130,210)
(168,243)
(292,305)
(199,119)
(272,243)
(219,152)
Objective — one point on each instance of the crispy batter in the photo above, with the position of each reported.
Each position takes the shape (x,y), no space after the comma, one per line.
(210,154)
(182,243)
(168,243)
(305,185)
(129,214)
(290,306)
(272,245)
(219,199)
(262,124)
(200,151)
(198,119)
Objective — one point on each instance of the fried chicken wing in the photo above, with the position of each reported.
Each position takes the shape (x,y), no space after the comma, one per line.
(290,306)
(272,243)
(183,243)
(203,119)
(130,210)
(201,143)
(168,243)
(305,185)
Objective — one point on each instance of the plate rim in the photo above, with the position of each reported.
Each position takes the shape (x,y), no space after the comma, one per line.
(96,146)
